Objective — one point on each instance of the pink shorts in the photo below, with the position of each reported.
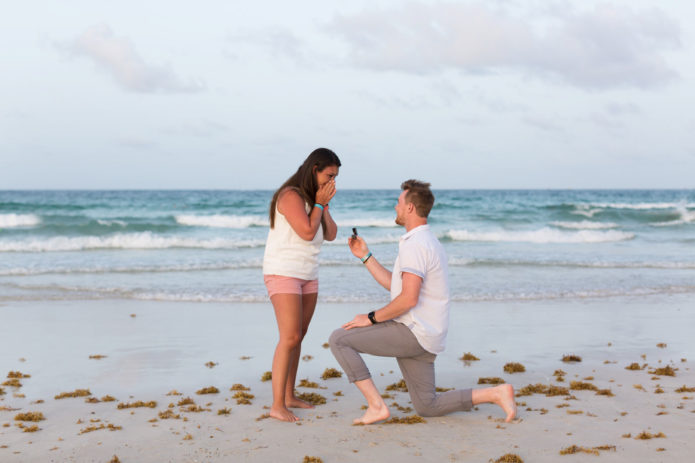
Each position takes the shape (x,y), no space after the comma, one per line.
(278,284)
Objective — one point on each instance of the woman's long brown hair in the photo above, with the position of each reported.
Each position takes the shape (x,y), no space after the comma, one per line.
(304,181)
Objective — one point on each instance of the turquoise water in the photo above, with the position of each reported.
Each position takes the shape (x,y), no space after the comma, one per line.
(207,246)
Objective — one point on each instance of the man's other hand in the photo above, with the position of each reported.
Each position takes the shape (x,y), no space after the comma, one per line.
(358,322)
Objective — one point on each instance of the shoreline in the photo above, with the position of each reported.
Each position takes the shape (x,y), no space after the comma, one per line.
(165,347)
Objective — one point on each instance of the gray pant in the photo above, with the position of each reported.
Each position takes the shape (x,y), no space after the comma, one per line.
(393,339)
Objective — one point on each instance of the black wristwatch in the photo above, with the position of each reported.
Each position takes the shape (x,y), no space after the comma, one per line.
(371,317)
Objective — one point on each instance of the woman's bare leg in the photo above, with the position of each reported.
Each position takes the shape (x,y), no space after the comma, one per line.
(308,306)
(288,313)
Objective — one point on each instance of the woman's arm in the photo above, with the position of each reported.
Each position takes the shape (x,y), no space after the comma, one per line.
(331,227)
(291,205)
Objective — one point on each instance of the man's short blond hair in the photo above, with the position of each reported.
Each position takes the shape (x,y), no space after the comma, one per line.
(420,195)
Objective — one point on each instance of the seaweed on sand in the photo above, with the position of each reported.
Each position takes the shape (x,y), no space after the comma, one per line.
(665,371)
(580,386)
(138,404)
(30,416)
(331,373)
(243,398)
(312,398)
(412,419)
(169,415)
(509,458)
(493,380)
(514,367)
(208,390)
(309,384)
(593,450)
(75,393)
(399,386)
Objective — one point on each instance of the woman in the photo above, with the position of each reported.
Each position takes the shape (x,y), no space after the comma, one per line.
(299,222)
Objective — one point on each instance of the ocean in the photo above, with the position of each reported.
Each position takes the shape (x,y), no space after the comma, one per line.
(207,246)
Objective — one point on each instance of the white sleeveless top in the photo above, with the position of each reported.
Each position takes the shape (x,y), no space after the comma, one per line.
(289,255)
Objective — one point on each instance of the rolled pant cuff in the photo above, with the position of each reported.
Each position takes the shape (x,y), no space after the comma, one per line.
(467,399)
(360,377)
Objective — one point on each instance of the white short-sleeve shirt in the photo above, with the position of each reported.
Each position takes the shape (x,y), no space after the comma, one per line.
(421,253)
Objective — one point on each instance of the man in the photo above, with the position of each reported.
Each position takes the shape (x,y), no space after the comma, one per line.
(413,326)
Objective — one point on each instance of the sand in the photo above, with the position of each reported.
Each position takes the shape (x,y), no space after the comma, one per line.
(166,347)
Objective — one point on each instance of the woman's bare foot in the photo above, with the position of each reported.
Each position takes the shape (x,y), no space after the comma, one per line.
(505,399)
(282,414)
(293,402)
(373,414)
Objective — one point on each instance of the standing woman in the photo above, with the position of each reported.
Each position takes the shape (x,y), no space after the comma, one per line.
(299,222)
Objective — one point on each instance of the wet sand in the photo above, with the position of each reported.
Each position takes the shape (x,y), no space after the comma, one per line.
(166,346)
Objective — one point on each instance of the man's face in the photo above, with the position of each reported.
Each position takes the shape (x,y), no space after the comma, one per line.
(401,208)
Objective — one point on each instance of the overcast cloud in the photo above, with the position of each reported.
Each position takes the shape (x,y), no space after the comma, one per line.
(118,57)
(463,93)
(606,46)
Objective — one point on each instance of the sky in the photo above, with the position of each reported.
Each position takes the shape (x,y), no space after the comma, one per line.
(224,94)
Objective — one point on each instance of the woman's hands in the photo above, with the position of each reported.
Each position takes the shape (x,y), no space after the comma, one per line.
(326,192)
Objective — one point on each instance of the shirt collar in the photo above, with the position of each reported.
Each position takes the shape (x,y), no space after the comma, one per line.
(415,230)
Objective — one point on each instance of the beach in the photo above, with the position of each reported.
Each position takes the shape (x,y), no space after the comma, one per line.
(153,351)
(143,299)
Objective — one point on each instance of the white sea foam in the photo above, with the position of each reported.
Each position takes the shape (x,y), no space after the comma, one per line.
(145,240)
(686,217)
(19,220)
(586,210)
(222,221)
(99,270)
(663,265)
(642,206)
(575,294)
(108,223)
(376,223)
(544,235)
(585,225)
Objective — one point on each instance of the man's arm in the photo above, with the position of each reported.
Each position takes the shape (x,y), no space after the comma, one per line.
(398,306)
(379,272)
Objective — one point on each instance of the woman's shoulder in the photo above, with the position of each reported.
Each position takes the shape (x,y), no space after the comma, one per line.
(290,193)
(290,197)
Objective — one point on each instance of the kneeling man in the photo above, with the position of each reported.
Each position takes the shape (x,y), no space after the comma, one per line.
(413,326)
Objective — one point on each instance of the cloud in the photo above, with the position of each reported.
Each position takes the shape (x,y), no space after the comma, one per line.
(619,109)
(204,128)
(118,56)
(606,47)
(281,42)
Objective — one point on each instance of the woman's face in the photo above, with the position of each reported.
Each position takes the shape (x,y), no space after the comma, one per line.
(326,175)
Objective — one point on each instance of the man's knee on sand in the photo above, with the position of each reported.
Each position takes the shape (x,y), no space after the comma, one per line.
(425,406)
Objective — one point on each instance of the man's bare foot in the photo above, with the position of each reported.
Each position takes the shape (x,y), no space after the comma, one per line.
(282,414)
(373,414)
(293,402)
(505,399)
